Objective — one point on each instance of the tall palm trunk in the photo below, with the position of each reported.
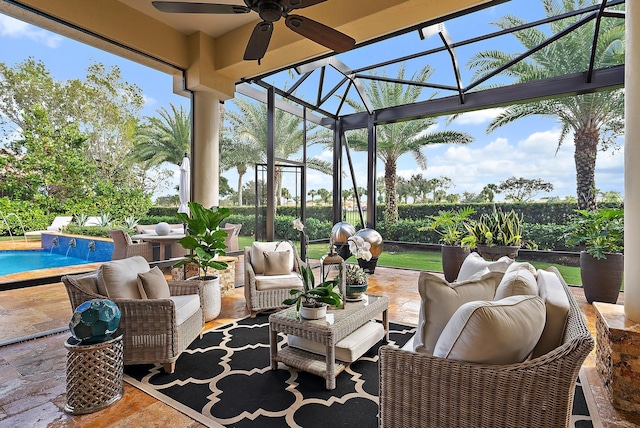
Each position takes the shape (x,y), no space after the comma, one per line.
(586,149)
(390,178)
(242,169)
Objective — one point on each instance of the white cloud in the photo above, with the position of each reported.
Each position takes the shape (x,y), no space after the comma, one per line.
(13,28)
(149,101)
(477,117)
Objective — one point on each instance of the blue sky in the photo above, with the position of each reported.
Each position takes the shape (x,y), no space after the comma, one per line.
(526,148)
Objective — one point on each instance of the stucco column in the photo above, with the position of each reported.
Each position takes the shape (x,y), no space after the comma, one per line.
(205,174)
(631,162)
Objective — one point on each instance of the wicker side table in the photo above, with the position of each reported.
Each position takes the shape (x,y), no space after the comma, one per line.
(94,374)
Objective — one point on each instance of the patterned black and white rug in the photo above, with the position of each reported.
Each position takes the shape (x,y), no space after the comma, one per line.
(225,379)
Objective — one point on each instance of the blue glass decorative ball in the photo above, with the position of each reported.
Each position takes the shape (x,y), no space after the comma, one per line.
(94,320)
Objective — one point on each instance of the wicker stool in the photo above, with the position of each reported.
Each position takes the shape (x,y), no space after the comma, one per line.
(94,374)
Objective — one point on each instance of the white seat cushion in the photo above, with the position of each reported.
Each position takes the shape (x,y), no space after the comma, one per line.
(475,266)
(439,300)
(275,282)
(493,332)
(517,280)
(557,305)
(186,306)
(119,278)
(348,349)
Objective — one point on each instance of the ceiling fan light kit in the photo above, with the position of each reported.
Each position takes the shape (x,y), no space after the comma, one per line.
(269,11)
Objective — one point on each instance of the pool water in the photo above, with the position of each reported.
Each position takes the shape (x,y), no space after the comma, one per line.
(26,260)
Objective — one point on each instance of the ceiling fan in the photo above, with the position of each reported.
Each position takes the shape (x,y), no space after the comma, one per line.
(270,11)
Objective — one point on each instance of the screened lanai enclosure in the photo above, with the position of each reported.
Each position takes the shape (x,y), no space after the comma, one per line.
(440,75)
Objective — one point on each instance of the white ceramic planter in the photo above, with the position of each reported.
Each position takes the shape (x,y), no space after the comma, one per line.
(211,300)
(313,313)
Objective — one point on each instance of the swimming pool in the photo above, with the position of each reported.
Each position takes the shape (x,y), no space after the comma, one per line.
(57,251)
(26,260)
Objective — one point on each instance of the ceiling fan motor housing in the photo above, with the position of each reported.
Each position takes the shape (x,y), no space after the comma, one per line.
(269,10)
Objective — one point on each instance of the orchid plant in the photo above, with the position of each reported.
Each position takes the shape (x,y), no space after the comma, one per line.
(360,248)
(311,295)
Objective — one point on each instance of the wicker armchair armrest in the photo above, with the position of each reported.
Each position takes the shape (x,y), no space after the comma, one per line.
(147,316)
(183,287)
(250,276)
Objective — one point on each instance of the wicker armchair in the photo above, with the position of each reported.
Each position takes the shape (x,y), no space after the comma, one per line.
(124,247)
(263,292)
(418,390)
(231,241)
(152,331)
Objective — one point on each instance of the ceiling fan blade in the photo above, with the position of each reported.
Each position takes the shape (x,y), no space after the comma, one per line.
(259,41)
(182,7)
(320,33)
(299,4)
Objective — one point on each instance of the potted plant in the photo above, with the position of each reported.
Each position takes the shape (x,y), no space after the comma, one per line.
(601,232)
(356,281)
(495,235)
(312,300)
(450,225)
(205,241)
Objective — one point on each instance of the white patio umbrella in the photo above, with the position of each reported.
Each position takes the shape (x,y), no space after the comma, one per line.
(185,185)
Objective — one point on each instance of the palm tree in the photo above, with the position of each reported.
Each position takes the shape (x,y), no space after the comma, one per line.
(595,119)
(240,154)
(249,124)
(396,139)
(163,139)
(312,193)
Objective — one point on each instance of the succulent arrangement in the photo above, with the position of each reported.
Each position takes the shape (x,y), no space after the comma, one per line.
(495,229)
(355,275)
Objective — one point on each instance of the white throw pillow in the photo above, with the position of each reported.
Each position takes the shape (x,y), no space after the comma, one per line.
(552,292)
(517,281)
(257,254)
(490,332)
(439,300)
(475,266)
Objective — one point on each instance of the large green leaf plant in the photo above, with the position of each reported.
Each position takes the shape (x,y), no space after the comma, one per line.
(204,238)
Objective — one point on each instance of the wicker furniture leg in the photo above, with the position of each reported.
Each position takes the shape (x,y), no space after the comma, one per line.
(330,376)
(273,347)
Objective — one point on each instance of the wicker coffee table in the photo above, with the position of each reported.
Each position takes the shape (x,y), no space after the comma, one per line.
(338,324)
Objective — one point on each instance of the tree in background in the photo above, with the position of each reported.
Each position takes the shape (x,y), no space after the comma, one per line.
(249,124)
(523,189)
(396,139)
(165,138)
(596,119)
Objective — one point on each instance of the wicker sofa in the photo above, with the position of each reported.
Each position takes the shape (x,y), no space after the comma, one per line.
(420,390)
(157,330)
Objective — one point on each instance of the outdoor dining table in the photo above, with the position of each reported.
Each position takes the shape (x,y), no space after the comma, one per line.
(163,240)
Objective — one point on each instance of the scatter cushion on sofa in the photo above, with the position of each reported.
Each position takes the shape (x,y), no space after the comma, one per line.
(556,301)
(524,265)
(517,281)
(493,332)
(257,254)
(439,300)
(276,262)
(153,284)
(120,277)
(475,266)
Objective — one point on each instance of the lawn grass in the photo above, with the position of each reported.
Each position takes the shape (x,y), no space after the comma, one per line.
(432,261)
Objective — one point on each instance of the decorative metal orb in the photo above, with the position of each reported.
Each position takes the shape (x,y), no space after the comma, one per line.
(163,228)
(342,231)
(94,320)
(374,238)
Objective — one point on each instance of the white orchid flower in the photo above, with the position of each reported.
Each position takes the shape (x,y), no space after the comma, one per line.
(359,247)
(297,224)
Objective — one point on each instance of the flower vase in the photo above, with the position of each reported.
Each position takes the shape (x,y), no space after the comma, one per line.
(368,266)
